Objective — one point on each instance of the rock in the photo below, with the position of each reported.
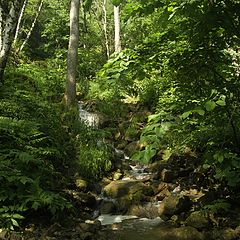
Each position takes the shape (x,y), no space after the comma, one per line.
(132,189)
(162,186)
(87,236)
(107,207)
(88,226)
(144,211)
(174,204)
(198,219)
(181,233)
(224,234)
(132,147)
(167,175)
(158,166)
(3,234)
(81,184)
(164,193)
(127,193)
(237,231)
(117,175)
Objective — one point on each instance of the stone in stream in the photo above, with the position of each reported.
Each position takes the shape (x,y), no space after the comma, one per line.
(174,204)
(107,207)
(181,233)
(198,219)
(127,193)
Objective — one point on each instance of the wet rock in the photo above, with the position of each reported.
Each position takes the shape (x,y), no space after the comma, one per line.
(88,226)
(130,189)
(127,193)
(198,220)
(107,207)
(148,210)
(174,204)
(181,233)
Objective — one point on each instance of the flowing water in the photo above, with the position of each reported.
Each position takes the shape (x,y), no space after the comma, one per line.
(124,227)
(91,119)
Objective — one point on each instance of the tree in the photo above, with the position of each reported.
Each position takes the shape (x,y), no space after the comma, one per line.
(70,93)
(9,12)
(117,28)
(32,27)
(105,27)
(19,21)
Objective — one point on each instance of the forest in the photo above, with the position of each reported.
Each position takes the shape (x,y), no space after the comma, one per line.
(120,109)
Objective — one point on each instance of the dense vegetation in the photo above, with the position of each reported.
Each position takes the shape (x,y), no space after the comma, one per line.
(180,61)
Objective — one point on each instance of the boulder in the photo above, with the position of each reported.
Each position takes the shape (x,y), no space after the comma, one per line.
(107,207)
(224,234)
(81,184)
(198,219)
(174,204)
(148,210)
(127,193)
(132,189)
(181,233)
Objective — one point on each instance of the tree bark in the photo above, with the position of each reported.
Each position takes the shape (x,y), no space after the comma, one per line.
(9,12)
(117,28)
(19,21)
(32,27)
(105,28)
(70,93)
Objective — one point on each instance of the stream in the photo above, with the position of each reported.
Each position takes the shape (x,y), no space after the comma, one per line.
(120,226)
(130,205)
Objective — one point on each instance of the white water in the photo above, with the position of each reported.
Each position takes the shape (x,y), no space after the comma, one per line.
(138,172)
(108,219)
(89,118)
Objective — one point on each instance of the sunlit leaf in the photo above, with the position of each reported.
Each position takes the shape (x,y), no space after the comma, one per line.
(210,105)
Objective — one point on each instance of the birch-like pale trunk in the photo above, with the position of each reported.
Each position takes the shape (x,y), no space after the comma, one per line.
(105,27)
(19,21)
(9,13)
(70,93)
(32,27)
(117,28)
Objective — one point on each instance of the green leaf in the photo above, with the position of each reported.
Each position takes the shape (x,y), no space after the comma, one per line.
(219,157)
(154,117)
(149,153)
(221,102)
(186,114)
(210,105)
(14,222)
(200,111)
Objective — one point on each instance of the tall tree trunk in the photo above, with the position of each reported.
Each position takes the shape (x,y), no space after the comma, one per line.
(70,93)
(117,28)
(105,27)
(19,21)
(32,27)
(9,12)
